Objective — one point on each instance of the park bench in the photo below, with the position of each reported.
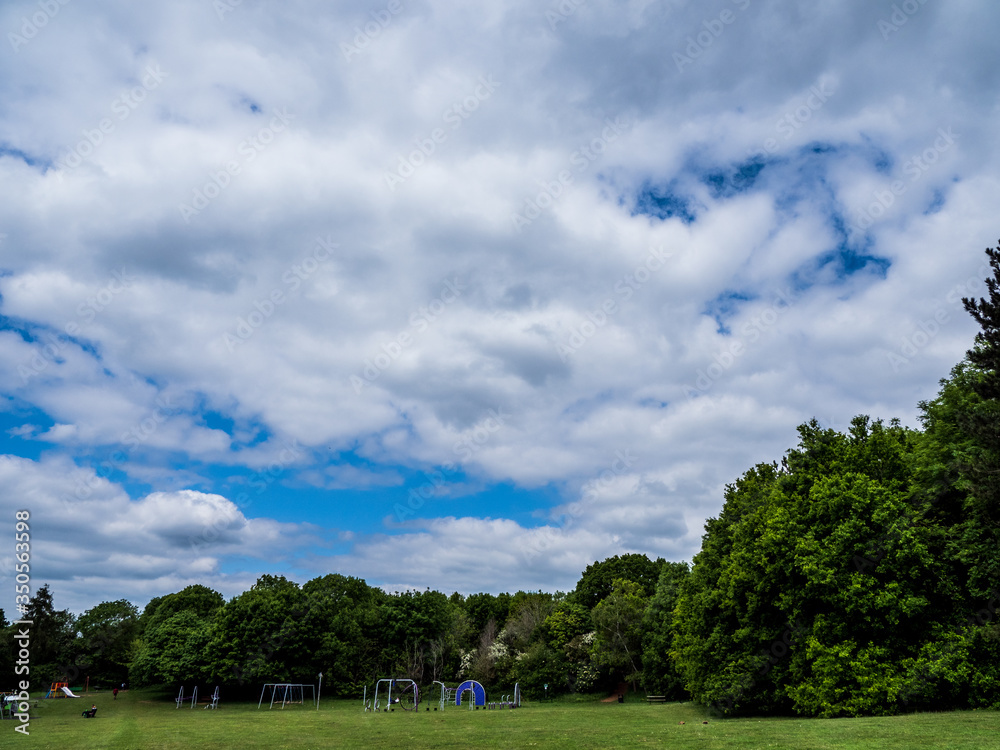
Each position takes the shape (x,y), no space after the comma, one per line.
(656,698)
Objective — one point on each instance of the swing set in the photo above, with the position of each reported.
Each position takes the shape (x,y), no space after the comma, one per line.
(213,699)
(289,693)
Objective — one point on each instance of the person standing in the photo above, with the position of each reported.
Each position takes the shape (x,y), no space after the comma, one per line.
(114,694)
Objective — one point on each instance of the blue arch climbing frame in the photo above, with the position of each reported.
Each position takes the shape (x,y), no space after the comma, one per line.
(478,693)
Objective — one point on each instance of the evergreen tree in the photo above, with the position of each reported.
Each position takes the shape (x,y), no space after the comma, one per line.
(985,355)
(980,419)
(52,634)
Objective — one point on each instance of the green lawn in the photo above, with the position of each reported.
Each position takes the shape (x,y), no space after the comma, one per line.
(140,719)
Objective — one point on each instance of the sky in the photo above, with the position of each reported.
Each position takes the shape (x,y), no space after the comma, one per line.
(462,296)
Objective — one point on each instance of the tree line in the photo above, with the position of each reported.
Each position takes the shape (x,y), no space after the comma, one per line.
(279,631)
(858,575)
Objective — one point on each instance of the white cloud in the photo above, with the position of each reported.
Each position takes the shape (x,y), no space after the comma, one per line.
(90,541)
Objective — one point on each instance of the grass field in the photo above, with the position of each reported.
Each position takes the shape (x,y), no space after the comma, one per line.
(140,719)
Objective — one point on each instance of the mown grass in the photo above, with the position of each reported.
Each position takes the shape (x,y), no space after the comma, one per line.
(142,719)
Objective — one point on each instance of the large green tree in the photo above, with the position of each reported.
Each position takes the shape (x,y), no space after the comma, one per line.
(482,608)
(958,477)
(261,636)
(597,581)
(814,588)
(174,633)
(771,617)
(569,633)
(105,635)
(659,669)
(174,652)
(415,626)
(198,599)
(618,627)
(342,623)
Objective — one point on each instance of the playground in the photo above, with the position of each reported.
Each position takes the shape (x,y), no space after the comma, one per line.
(149,719)
(404,694)
(62,690)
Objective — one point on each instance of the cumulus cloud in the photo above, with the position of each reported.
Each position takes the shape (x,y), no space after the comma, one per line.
(89,539)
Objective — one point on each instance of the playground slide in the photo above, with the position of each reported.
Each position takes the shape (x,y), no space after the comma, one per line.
(69,692)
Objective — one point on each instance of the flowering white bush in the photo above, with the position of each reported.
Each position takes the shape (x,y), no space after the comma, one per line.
(465,663)
(586,677)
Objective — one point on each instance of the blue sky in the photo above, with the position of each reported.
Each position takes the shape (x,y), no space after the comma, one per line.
(462,297)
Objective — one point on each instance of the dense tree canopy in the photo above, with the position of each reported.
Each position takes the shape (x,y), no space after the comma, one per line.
(813,586)
(104,642)
(598,579)
(618,628)
(174,633)
(660,674)
(343,616)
